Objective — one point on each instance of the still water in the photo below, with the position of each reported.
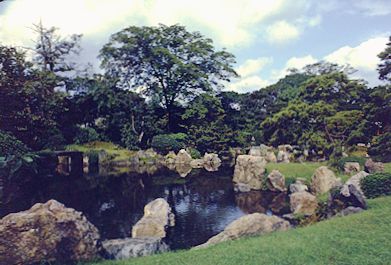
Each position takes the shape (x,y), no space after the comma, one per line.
(204,203)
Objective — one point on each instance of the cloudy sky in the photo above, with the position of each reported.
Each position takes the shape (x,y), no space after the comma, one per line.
(266,36)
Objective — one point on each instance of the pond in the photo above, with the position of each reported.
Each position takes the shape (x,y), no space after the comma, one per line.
(204,202)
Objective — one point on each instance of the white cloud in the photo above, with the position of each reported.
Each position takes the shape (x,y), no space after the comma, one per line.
(253,66)
(247,84)
(230,22)
(362,57)
(281,32)
(293,62)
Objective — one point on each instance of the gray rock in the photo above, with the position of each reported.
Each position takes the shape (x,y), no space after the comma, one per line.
(324,180)
(276,181)
(355,181)
(250,170)
(157,217)
(47,232)
(249,225)
(183,157)
(303,203)
(374,167)
(351,167)
(350,210)
(133,247)
(297,187)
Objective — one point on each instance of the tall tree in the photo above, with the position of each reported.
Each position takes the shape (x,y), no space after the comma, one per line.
(168,63)
(52,51)
(384,67)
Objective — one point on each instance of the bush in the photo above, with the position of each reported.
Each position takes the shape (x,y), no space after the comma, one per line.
(381,147)
(86,135)
(342,161)
(376,185)
(194,153)
(164,143)
(10,145)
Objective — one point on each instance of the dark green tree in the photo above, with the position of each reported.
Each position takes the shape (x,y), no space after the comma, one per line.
(384,67)
(167,63)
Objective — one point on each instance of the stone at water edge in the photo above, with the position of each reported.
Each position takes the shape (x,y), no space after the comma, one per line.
(249,225)
(157,217)
(351,167)
(126,248)
(323,180)
(241,187)
(298,186)
(212,160)
(183,157)
(276,181)
(250,170)
(47,232)
(197,163)
(303,203)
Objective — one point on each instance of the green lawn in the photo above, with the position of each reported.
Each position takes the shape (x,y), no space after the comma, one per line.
(363,238)
(118,152)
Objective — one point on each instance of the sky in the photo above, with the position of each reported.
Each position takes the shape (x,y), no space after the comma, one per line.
(266,36)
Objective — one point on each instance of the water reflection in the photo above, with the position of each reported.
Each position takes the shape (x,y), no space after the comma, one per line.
(113,199)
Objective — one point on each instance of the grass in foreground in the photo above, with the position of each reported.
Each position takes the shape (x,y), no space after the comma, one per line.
(363,238)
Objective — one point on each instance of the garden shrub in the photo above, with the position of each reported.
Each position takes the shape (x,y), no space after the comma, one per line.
(164,143)
(194,153)
(86,135)
(10,145)
(381,147)
(375,185)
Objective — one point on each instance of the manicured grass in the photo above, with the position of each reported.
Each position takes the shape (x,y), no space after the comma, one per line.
(118,152)
(363,238)
(295,170)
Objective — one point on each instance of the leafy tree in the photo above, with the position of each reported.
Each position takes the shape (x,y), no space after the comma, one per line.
(28,103)
(52,51)
(384,67)
(205,126)
(167,63)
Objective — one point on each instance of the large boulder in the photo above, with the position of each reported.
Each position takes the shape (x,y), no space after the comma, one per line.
(183,157)
(47,232)
(276,181)
(323,180)
(373,167)
(157,217)
(250,170)
(303,203)
(249,225)
(126,248)
(351,167)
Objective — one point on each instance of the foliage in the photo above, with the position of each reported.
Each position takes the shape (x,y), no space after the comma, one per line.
(164,143)
(18,167)
(169,63)
(381,147)
(384,67)
(51,50)
(10,145)
(194,153)
(375,185)
(86,135)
